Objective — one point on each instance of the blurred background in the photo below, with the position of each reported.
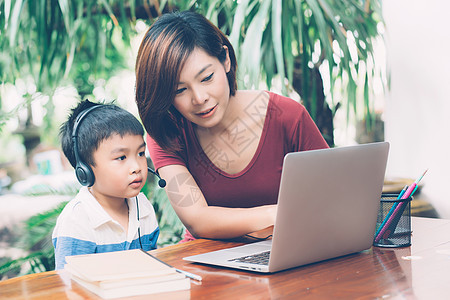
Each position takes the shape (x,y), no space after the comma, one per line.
(366,71)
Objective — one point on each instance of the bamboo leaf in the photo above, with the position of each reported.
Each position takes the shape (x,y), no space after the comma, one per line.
(212,12)
(288,50)
(237,25)
(7,12)
(251,48)
(351,91)
(299,17)
(322,29)
(133,9)
(277,42)
(305,59)
(269,59)
(314,106)
(65,11)
(110,12)
(15,22)
(369,118)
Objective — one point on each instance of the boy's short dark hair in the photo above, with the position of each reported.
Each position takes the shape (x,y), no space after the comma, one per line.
(97,125)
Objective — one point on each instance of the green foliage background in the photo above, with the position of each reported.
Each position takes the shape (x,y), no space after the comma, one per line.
(303,43)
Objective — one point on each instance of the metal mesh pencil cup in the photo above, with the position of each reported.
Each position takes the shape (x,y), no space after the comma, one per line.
(394,222)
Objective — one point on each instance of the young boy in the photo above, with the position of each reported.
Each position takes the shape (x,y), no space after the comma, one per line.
(105,145)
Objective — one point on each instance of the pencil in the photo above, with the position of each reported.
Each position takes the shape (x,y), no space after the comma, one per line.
(187,274)
(391,210)
(409,192)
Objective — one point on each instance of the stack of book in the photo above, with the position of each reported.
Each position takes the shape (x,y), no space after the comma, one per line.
(124,274)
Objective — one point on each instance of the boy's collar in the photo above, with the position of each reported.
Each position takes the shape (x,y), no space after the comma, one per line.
(97,214)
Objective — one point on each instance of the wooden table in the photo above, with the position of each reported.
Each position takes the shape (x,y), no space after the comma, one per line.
(421,271)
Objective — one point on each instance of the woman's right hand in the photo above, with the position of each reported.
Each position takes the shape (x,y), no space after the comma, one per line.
(211,221)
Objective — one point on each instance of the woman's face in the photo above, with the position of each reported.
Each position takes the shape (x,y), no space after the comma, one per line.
(203,91)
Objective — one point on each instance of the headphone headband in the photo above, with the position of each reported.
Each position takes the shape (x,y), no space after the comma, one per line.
(82,170)
(80,118)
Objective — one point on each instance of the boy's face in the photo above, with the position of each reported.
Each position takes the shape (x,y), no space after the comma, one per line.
(120,168)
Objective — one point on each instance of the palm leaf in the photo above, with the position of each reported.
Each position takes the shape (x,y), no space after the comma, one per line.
(277,35)
(171,228)
(36,239)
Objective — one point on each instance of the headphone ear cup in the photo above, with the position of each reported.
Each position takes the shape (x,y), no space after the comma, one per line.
(84,174)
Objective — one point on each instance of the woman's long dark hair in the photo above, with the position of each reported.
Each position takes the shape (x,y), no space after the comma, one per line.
(162,54)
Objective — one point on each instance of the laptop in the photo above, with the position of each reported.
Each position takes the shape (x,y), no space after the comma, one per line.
(327,207)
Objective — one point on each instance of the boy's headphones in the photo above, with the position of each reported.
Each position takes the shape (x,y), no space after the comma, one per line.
(83,171)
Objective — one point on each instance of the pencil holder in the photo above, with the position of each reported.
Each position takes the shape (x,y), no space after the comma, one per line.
(393,222)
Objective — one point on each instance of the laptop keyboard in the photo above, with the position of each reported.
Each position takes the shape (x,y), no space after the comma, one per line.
(258,259)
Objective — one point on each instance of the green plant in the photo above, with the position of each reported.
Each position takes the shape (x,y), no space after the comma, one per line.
(306,43)
(36,239)
(170,226)
(303,43)
(36,234)
(52,43)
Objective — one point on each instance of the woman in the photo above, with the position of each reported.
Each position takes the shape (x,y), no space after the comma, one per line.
(220,149)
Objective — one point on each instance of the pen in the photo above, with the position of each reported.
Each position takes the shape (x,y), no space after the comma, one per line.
(402,192)
(190,275)
(396,218)
(411,189)
(413,186)
(391,210)
(187,274)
